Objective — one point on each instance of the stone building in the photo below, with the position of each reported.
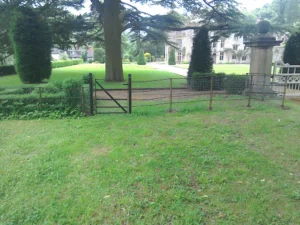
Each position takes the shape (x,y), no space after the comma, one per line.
(226,50)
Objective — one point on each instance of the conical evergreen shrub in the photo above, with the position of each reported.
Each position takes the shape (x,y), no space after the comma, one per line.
(172,60)
(141,58)
(32,42)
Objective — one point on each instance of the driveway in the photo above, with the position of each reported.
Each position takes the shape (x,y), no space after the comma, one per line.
(171,69)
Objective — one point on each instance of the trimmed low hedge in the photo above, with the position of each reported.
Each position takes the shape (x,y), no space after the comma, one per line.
(235,84)
(65,63)
(202,81)
(7,70)
(62,97)
(232,83)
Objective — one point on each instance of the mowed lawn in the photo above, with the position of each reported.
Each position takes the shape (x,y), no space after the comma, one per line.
(139,73)
(228,166)
(226,68)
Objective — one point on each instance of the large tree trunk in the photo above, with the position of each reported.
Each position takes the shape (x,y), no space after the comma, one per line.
(112,34)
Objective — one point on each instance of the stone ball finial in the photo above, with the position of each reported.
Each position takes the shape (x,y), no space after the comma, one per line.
(263,27)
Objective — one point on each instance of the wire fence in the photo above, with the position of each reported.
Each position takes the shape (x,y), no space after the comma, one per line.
(243,90)
(168,94)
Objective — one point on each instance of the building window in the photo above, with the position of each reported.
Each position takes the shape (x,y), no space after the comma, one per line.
(222,43)
(221,56)
(236,38)
(179,56)
(244,58)
(235,47)
(233,56)
(214,44)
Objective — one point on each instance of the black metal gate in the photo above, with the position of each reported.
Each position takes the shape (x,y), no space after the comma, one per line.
(111,100)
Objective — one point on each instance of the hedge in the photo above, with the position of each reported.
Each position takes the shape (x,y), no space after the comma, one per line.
(7,70)
(65,63)
(202,81)
(61,97)
(232,83)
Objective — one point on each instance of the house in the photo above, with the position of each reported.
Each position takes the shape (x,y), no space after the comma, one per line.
(72,53)
(226,50)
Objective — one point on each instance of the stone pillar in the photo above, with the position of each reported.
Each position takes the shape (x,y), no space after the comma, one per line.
(261,57)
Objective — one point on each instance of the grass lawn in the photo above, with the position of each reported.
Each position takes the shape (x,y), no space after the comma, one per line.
(227,166)
(139,73)
(226,68)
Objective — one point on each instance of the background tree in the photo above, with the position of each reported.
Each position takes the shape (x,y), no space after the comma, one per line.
(118,16)
(172,59)
(201,59)
(291,53)
(32,42)
(141,58)
(67,30)
(99,55)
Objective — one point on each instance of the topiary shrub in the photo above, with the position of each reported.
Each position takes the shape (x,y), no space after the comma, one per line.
(32,41)
(172,60)
(201,59)
(141,58)
(291,53)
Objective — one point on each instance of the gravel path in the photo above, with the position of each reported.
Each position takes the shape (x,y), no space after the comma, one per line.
(172,69)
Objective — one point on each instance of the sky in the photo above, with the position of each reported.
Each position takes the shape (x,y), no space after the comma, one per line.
(246,4)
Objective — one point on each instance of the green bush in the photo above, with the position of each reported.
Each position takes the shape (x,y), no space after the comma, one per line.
(235,84)
(72,90)
(62,97)
(202,81)
(172,60)
(186,62)
(7,70)
(13,91)
(85,79)
(291,53)
(32,41)
(141,58)
(65,63)
(148,56)
(90,61)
